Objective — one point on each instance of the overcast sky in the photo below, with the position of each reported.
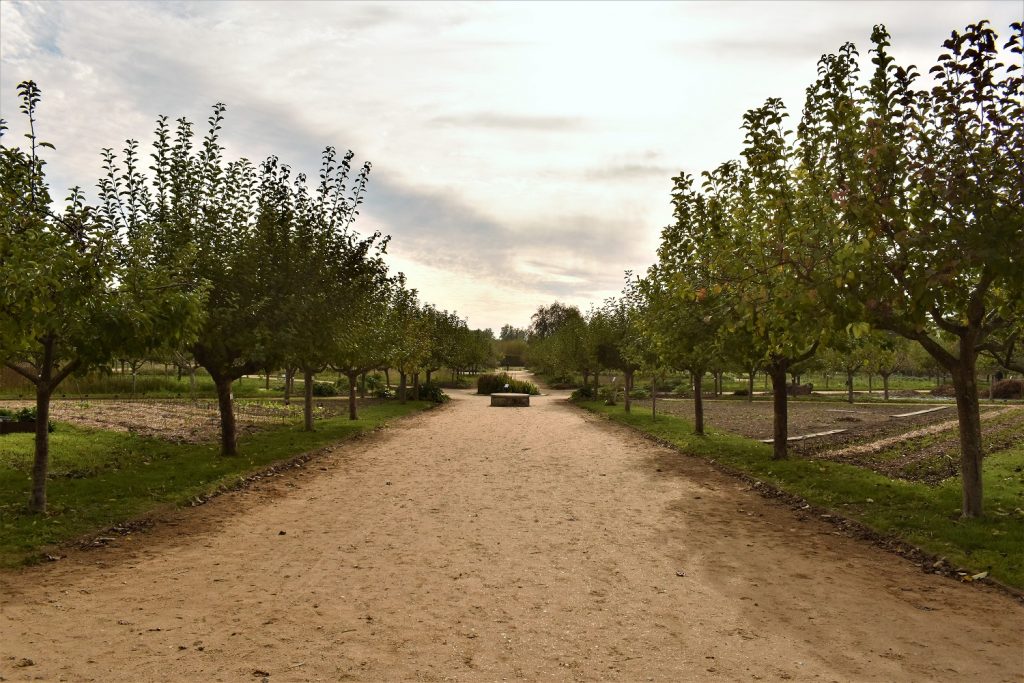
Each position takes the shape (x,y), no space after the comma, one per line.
(522,152)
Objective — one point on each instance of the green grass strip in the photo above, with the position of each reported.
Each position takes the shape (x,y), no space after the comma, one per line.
(925,516)
(100,478)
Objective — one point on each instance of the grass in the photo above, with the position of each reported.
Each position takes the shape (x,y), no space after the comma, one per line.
(99,478)
(925,516)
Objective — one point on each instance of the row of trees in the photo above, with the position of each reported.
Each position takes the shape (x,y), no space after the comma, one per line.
(891,212)
(230,265)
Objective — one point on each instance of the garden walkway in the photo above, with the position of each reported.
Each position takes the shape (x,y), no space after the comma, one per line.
(476,543)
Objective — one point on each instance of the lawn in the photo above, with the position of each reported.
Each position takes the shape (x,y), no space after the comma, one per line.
(926,516)
(100,478)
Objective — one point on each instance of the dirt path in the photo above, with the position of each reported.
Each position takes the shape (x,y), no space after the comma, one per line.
(474,543)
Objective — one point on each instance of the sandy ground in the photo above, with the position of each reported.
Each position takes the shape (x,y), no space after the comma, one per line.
(482,544)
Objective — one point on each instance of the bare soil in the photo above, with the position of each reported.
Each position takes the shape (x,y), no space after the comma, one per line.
(178,420)
(923,448)
(481,544)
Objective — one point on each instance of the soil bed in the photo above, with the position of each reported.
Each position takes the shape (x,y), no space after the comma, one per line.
(922,447)
(182,420)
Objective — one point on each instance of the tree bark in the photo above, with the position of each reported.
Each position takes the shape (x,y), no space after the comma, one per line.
(780,406)
(352,395)
(228,438)
(307,401)
(362,385)
(849,387)
(698,402)
(628,381)
(401,387)
(387,378)
(41,465)
(885,387)
(968,412)
(415,386)
(750,387)
(289,374)
(654,397)
(586,378)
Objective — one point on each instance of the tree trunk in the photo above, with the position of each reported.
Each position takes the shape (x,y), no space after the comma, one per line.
(352,395)
(870,378)
(966,387)
(597,382)
(750,387)
(387,378)
(41,465)
(362,385)
(307,402)
(849,387)
(289,376)
(628,382)
(426,380)
(401,387)
(885,387)
(654,397)
(266,383)
(228,439)
(192,381)
(780,424)
(415,386)
(586,378)
(698,403)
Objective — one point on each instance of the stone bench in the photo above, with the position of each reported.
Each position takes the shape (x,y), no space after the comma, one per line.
(514,400)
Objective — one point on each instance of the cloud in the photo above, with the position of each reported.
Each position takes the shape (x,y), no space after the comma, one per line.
(630,171)
(512,122)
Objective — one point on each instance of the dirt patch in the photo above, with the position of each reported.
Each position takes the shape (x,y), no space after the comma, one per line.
(923,448)
(181,420)
(479,544)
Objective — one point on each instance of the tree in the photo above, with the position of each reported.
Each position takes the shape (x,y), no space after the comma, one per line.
(78,288)
(928,190)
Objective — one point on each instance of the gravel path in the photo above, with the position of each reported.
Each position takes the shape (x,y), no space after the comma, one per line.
(474,543)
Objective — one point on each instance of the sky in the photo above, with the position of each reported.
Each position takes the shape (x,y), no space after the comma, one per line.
(522,153)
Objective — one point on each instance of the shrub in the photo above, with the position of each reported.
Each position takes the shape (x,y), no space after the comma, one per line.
(583,394)
(433,393)
(608,393)
(740,392)
(640,393)
(1008,388)
(23,415)
(682,389)
(383,392)
(324,389)
(490,384)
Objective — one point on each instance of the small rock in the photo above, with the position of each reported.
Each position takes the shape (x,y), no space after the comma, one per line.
(25,661)
(680,572)
(282,533)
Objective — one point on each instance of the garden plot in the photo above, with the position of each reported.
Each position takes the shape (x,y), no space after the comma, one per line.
(920,445)
(179,421)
